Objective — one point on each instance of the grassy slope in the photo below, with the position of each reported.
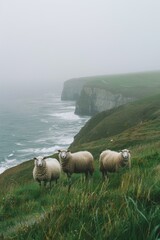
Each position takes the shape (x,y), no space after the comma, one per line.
(134,84)
(119,209)
(115,121)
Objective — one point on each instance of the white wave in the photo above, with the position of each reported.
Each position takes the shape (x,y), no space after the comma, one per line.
(10,160)
(63,125)
(8,164)
(10,155)
(62,139)
(40,140)
(44,120)
(44,140)
(70,107)
(66,116)
(2,169)
(66,141)
(39,150)
(19,144)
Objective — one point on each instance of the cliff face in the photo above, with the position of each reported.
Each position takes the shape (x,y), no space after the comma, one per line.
(99,93)
(72,89)
(93,100)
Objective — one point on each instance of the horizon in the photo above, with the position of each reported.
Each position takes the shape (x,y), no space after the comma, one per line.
(43,44)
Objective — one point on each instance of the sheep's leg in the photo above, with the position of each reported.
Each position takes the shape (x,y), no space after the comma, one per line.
(69,181)
(86,174)
(39,182)
(107,175)
(104,175)
(50,185)
(91,173)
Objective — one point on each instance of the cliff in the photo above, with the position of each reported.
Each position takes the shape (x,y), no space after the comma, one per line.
(26,209)
(100,93)
(93,100)
(72,89)
(109,123)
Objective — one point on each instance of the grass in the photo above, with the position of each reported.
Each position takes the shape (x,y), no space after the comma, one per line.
(126,206)
(116,209)
(115,121)
(118,88)
(140,84)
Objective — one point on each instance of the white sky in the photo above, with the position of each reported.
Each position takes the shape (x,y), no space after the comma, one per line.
(45,42)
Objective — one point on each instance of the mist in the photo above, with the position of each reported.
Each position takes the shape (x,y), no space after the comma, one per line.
(44,43)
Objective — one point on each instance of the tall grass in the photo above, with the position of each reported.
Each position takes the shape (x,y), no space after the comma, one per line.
(124,207)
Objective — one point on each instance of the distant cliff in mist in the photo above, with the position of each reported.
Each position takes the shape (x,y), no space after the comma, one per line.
(100,93)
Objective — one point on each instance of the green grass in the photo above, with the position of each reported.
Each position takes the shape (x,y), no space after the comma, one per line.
(129,87)
(116,209)
(138,84)
(115,121)
(127,206)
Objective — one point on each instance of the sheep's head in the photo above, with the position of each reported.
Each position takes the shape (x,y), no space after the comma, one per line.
(39,161)
(63,154)
(125,154)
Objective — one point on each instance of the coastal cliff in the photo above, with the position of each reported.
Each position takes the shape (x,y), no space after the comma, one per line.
(93,100)
(99,93)
(72,89)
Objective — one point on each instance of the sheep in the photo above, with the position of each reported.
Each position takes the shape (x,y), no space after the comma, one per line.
(46,170)
(111,161)
(78,162)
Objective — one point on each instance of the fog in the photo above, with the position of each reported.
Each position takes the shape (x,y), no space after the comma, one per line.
(45,42)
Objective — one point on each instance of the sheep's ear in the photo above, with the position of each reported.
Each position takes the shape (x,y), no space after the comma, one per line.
(59,151)
(68,150)
(34,158)
(129,151)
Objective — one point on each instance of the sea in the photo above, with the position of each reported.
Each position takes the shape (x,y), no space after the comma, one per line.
(36,126)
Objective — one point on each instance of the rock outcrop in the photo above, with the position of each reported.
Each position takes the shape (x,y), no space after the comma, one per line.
(72,89)
(99,93)
(93,100)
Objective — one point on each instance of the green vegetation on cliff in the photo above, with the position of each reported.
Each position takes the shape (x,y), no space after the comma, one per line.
(125,207)
(117,120)
(102,93)
(137,84)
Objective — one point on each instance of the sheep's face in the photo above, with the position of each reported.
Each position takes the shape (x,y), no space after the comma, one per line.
(63,154)
(39,161)
(125,154)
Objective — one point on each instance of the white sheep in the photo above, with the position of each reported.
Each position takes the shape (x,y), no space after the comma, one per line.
(78,162)
(111,161)
(46,170)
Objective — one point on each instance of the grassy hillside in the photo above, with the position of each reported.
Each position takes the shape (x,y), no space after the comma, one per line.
(117,120)
(125,207)
(102,93)
(133,84)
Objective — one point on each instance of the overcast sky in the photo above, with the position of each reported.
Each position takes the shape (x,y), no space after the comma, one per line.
(45,42)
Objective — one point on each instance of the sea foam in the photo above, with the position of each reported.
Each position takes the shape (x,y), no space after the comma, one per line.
(40,126)
(65,116)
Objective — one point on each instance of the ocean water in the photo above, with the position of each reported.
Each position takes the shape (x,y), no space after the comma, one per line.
(36,126)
